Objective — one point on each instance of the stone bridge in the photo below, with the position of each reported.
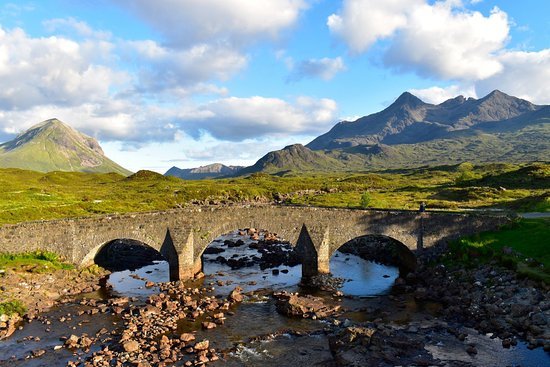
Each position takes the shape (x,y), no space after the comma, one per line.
(182,235)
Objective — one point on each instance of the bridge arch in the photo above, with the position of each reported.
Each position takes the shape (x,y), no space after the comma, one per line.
(382,249)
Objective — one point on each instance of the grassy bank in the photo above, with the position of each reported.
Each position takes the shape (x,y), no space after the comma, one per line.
(522,246)
(27,195)
(32,262)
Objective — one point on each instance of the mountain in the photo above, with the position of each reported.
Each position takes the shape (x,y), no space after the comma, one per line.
(214,170)
(54,146)
(412,133)
(409,120)
(294,158)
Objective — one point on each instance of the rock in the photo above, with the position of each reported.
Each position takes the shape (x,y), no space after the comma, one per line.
(202,345)
(235,295)
(187,337)
(208,325)
(471,350)
(37,353)
(72,341)
(539,319)
(131,346)
(304,306)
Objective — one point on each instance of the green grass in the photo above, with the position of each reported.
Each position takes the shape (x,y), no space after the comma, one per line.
(34,262)
(27,195)
(11,307)
(528,240)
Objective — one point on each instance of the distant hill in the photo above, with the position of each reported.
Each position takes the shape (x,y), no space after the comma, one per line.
(409,120)
(54,146)
(294,158)
(214,170)
(412,133)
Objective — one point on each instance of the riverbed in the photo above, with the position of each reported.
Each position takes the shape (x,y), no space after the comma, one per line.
(256,334)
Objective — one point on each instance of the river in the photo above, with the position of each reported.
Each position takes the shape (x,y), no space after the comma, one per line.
(256,334)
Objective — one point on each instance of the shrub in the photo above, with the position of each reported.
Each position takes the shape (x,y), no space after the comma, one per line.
(366,200)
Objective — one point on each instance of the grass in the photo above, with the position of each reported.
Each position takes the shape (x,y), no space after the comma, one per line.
(522,246)
(27,195)
(11,307)
(34,262)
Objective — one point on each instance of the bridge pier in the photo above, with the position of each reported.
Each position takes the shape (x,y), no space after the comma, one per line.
(178,250)
(315,260)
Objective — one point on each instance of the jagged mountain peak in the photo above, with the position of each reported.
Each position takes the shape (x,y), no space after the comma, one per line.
(409,120)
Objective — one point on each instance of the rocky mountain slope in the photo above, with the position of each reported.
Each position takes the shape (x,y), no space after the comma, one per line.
(409,120)
(210,171)
(54,146)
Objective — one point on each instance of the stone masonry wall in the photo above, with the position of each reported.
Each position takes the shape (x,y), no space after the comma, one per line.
(78,240)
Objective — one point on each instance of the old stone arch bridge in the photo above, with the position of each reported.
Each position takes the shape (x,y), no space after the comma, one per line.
(182,235)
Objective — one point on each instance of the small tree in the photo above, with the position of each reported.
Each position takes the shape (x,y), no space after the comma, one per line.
(365,200)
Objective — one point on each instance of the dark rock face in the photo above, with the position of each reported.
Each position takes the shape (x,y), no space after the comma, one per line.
(126,254)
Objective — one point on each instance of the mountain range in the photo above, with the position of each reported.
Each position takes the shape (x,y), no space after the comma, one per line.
(204,172)
(412,133)
(409,120)
(55,146)
(408,133)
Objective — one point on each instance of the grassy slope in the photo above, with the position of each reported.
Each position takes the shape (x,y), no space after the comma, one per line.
(57,148)
(27,195)
(528,144)
(528,238)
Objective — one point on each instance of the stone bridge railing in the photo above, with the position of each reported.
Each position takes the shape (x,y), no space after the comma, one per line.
(182,235)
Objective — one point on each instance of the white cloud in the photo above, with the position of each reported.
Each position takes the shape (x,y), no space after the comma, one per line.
(524,74)
(436,95)
(360,23)
(53,70)
(164,68)
(450,43)
(188,22)
(237,119)
(443,39)
(325,68)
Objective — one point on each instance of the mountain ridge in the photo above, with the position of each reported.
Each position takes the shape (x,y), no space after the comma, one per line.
(214,170)
(410,120)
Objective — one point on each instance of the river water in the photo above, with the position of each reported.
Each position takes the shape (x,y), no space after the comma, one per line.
(256,335)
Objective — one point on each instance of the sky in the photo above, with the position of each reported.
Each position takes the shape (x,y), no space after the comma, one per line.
(190,82)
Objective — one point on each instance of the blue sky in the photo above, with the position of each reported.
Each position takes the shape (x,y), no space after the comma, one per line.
(191,82)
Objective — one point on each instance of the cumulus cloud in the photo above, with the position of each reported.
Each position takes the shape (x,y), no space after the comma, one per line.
(237,119)
(187,22)
(436,95)
(164,68)
(53,70)
(442,42)
(325,68)
(443,39)
(524,75)
(360,23)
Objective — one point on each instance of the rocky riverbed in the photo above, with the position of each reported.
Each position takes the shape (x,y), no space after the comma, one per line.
(255,313)
(41,291)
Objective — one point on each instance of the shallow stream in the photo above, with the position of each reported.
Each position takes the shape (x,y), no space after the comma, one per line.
(256,334)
